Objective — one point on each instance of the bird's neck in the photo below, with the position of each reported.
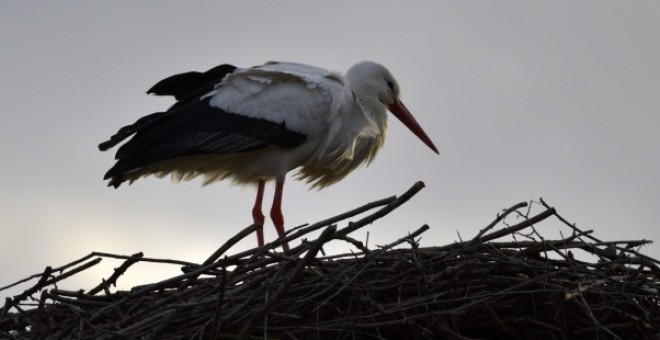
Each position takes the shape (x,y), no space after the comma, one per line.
(376,115)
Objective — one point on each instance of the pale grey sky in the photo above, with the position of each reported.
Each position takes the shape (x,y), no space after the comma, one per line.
(552,99)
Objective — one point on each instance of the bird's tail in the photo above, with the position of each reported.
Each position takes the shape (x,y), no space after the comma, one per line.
(128,130)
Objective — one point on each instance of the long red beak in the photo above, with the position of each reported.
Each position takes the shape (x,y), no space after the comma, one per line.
(401,112)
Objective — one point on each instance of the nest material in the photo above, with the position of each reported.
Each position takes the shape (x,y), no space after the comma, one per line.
(507,282)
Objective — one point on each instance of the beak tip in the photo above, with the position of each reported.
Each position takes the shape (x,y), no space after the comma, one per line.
(434,149)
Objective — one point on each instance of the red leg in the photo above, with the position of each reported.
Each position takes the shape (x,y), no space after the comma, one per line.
(276,210)
(257,215)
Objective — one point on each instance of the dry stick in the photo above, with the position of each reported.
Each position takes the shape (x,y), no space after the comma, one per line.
(499,218)
(353,212)
(555,246)
(43,283)
(326,235)
(500,294)
(148,288)
(143,259)
(483,298)
(158,318)
(354,322)
(571,225)
(249,265)
(34,276)
(217,324)
(9,302)
(312,248)
(372,257)
(112,280)
(522,225)
(318,225)
(496,234)
(79,301)
(25,318)
(230,243)
(595,320)
(594,250)
(73,263)
(384,211)
(58,269)
(303,230)
(306,229)
(357,244)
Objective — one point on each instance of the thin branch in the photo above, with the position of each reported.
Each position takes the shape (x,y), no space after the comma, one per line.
(118,272)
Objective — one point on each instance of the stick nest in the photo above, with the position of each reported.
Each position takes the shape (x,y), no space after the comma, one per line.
(508,281)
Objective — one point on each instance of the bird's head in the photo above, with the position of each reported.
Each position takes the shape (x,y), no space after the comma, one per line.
(376,89)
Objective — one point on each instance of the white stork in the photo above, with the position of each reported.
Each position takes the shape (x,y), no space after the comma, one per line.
(254,125)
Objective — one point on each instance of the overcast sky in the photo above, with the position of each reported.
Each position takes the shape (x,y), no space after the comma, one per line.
(552,99)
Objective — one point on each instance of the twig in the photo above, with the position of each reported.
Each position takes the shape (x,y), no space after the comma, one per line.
(118,272)
(326,235)
(497,220)
(384,211)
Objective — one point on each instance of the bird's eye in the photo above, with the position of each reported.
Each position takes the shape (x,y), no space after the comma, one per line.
(390,84)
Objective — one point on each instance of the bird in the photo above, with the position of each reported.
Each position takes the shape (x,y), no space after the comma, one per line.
(253,125)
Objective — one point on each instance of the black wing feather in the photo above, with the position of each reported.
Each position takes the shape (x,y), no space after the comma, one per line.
(192,127)
(198,128)
(128,130)
(184,87)
(184,84)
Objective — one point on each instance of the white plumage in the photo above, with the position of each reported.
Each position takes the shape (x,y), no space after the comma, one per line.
(256,124)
